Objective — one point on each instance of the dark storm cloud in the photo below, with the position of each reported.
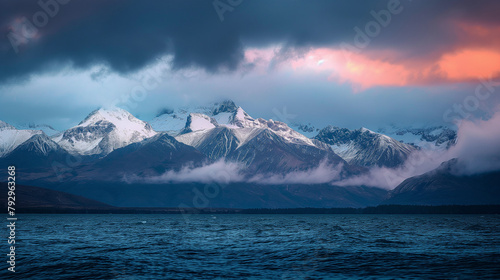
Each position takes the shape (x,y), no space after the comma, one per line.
(128,35)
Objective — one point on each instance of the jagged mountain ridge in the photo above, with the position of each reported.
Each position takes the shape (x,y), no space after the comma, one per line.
(365,147)
(428,137)
(261,145)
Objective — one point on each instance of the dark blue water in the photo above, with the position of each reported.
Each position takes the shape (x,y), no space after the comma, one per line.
(256,247)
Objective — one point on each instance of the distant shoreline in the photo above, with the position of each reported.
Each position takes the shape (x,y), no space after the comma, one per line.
(381,209)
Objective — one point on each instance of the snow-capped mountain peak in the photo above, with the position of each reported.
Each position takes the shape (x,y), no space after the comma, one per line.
(364,129)
(103,131)
(11,138)
(241,119)
(117,116)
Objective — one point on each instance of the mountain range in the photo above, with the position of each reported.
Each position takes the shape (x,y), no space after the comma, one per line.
(113,157)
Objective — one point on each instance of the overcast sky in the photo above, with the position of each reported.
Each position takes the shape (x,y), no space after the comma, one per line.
(345,63)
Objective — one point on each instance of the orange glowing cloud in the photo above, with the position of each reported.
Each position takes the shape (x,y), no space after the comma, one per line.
(464,65)
(470,64)
(379,68)
(474,55)
(364,72)
(359,70)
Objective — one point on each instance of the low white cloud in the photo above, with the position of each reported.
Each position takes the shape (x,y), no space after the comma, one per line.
(231,172)
(478,146)
(323,173)
(218,172)
(417,163)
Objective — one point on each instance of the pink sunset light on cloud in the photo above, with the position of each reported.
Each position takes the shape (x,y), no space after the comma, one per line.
(364,71)
(466,61)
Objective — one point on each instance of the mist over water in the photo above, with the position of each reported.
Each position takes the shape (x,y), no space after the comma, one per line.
(257,247)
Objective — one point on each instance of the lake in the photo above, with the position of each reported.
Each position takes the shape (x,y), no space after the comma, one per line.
(239,246)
